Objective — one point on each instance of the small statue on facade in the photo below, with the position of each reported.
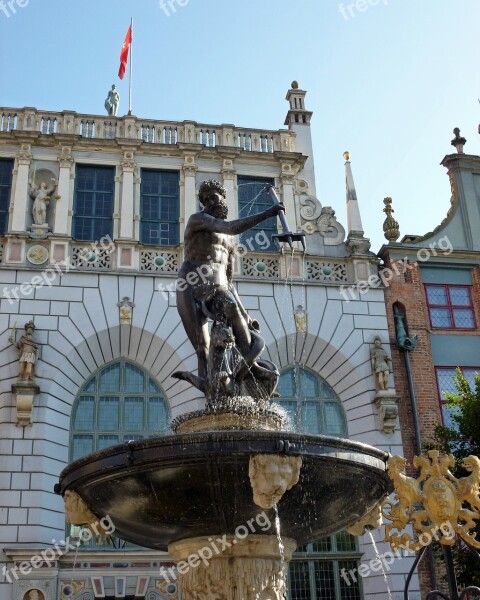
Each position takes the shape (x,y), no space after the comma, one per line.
(41,198)
(112,102)
(300,319)
(381,364)
(28,350)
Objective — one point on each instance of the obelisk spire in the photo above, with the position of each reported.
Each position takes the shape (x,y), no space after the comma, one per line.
(356,236)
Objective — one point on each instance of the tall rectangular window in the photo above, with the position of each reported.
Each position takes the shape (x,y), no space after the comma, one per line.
(94,202)
(159,208)
(6,168)
(251,200)
(446,385)
(450,306)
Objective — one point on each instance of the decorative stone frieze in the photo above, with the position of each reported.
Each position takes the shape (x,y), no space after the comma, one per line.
(260,267)
(326,271)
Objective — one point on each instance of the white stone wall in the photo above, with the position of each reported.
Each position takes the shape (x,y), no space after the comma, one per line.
(77,322)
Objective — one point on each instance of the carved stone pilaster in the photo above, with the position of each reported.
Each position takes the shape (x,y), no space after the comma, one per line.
(386,402)
(20,195)
(230,567)
(24,395)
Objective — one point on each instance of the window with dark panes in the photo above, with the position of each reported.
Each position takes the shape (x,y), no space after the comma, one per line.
(446,385)
(450,306)
(252,200)
(320,571)
(6,169)
(160,208)
(120,403)
(310,402)
(94,202)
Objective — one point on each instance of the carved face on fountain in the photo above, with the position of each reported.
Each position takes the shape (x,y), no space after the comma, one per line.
(271,476)
(221,336)
(76,510)
(212,197)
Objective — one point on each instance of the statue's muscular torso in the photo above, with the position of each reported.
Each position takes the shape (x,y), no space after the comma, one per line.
(203,247)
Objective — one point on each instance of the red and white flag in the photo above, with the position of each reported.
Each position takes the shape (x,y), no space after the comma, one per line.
(124,53)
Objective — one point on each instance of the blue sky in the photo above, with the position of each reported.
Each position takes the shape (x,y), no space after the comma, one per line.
(388,83)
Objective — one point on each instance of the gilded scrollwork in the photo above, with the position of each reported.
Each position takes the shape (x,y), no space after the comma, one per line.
(433,501)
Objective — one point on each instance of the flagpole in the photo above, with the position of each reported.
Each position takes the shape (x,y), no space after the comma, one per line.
(131,68)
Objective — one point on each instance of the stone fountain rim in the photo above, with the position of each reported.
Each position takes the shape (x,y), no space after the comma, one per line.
(122,456)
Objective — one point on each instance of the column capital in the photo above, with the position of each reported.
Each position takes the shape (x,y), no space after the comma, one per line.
(189,167)
(66,159)
(128,166)
(228,170)
(128,163)
(24,156)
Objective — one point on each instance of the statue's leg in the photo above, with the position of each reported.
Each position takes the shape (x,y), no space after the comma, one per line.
(241,332)
(196,327)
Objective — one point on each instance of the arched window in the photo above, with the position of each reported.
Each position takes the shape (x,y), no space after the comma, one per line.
(120,402)
(312,405)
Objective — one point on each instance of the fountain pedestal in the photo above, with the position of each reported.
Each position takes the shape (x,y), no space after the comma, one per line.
(231,568)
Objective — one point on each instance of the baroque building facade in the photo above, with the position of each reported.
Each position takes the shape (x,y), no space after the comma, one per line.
(433,309)
(92,218)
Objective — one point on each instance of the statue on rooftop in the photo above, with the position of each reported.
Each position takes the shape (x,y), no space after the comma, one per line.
(112,102)
(228,356)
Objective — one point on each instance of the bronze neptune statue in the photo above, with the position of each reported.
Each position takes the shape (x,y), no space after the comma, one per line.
(228,355)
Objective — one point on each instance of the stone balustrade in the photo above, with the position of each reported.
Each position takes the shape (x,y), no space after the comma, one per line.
(145,130)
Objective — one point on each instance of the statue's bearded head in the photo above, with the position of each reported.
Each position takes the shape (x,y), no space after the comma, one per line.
(212,197)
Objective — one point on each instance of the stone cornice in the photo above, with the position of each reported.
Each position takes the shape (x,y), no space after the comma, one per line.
(83,144)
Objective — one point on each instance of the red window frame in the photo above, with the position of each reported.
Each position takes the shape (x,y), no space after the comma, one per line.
(442,402)
(450,306)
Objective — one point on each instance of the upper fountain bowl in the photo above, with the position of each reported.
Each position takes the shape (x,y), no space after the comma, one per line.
(167,489)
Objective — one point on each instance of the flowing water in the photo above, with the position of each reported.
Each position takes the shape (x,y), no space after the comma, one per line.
(281,546)
(68,590)
(390,597)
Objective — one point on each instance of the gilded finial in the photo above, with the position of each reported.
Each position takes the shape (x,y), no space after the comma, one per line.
(458,142)
(391,228)
(346,155)
(294,85)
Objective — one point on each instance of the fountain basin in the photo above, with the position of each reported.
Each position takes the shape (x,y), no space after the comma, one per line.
(163,490)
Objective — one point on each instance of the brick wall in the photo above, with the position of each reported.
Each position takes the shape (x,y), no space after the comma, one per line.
(407,289)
